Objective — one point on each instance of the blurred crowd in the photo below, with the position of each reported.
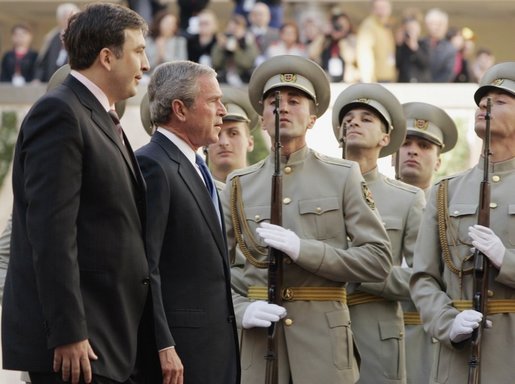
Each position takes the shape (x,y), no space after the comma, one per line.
(412,47)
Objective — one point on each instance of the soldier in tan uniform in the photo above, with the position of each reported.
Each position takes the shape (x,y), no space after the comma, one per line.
(441,285)
(235,139)
(430,132)
(326,204)
(368,120)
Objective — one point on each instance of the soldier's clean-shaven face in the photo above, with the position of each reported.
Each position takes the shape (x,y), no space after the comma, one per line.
(418,160)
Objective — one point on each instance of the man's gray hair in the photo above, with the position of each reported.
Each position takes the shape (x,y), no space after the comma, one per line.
(171,81)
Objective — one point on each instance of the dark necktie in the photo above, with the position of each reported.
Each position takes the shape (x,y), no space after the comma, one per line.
(118,125)
(208,180)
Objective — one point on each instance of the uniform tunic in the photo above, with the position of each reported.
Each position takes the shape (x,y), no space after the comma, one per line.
(434,286)
(378,325)
(324,203)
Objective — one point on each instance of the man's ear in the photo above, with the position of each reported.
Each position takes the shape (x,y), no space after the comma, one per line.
(179,109)
(105,57)
(312,121)
(437,164)
(385,140)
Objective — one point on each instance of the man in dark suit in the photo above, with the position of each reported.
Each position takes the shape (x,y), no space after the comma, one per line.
(194,316)
(77,284)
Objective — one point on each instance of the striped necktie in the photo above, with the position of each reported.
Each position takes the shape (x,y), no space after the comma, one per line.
(118,125)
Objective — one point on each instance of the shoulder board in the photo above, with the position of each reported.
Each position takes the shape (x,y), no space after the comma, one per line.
(453,176)
(401,185)
(332,160)
(247,170)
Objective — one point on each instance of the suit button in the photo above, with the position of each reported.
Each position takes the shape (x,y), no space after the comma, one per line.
(287,170)
(496,178)
(288,322)
(286,200)
(145,281)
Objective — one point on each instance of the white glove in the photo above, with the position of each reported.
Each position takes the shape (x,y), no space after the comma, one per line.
(262,314)
(464,324)
(280,238)
(486,241)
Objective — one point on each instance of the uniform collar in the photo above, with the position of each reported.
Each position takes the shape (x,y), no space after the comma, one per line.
(371,175)
(502,166)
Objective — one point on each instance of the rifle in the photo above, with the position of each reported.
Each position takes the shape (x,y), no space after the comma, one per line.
(343,134)
(481,263)
(275,257)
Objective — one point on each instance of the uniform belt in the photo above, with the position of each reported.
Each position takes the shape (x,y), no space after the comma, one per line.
(412,318)
(301,293)
(493,307)
(357,298)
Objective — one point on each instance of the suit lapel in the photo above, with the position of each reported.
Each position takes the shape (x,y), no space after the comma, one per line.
(103,121)
(197,188)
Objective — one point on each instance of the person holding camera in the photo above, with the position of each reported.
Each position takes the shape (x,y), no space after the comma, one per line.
(234,53)
(336,51)
(412,53)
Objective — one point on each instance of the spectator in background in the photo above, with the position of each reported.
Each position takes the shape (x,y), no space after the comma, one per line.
(412,54)
(336,50)
(18,64)
(482,62)
(164,43)
(244,8)
(311,27)
(263,34)
(147,9)
(463,42)
(188,14)
(201,44)
(288,42)
(234,53)
(442,54)
(53,55)
(376,45)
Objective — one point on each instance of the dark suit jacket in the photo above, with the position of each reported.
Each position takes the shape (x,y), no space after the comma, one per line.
(188,260)
(78,266)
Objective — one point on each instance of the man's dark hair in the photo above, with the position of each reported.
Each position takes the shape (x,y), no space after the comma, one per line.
(98,26)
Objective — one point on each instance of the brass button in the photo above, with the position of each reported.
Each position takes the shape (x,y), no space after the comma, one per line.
(456,212)
(493,205)
(286,200)
(319,209)
(287,170)
(288,322)
(287,294)
(401,334)
(490,293)
(257,217)
(496,178)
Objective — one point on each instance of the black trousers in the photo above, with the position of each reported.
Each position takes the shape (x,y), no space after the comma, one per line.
(55,378)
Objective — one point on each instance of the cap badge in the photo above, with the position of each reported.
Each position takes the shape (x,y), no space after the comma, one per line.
(363,100)
(497,82)
(421,124)
(288,78)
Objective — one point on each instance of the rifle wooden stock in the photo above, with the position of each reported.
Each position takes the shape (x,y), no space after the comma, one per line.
(481,263)
(275,257)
